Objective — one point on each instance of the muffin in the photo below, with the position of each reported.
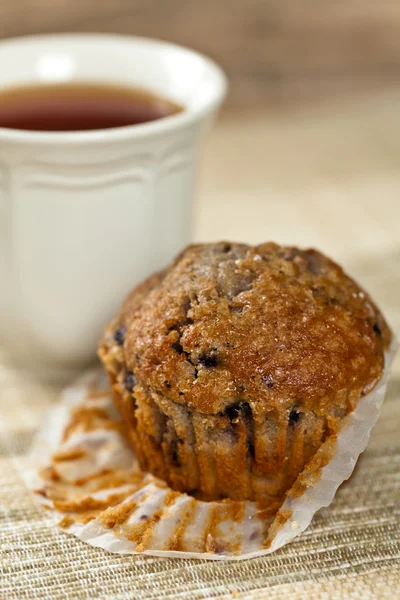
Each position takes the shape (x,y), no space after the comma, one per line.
(232,366)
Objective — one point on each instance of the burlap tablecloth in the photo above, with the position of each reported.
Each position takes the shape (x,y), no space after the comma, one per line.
(352,548)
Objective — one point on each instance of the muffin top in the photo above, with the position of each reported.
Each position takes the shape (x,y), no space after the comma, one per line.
(271,326)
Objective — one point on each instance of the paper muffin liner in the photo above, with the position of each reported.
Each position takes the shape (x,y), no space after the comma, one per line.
(83,472)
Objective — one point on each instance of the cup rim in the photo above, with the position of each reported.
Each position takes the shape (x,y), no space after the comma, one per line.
(171,122)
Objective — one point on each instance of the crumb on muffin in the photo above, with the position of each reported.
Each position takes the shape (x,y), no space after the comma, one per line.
(233,365)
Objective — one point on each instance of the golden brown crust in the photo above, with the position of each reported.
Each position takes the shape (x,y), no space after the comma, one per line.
(232,367)
(229,322)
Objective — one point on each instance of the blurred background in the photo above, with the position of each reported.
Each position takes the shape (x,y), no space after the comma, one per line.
(307,149)
(274,51)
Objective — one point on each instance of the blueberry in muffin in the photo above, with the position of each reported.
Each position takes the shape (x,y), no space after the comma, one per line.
(233,365)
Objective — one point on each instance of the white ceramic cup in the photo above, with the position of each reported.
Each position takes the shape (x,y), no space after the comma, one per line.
(84,216)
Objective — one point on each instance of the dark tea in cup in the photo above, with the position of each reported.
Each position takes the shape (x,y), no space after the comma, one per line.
(80,107)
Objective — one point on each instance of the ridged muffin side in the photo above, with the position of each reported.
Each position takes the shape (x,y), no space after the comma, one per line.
(231,367)
(213,456)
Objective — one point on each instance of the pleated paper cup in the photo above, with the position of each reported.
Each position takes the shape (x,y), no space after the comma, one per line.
(84,473)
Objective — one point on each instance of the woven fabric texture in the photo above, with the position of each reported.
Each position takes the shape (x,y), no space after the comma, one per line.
(352,549)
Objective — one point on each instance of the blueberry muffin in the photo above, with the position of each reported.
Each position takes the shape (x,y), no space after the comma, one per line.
(231,367)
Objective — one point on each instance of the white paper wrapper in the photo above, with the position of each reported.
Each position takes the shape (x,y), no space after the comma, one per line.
(90,481)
